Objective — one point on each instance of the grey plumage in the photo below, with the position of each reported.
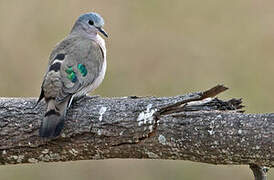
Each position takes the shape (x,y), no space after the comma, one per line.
(76,66)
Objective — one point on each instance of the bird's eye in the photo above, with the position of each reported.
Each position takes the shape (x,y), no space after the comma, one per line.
(91,22)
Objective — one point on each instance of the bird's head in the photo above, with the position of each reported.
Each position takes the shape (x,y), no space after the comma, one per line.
(91,23)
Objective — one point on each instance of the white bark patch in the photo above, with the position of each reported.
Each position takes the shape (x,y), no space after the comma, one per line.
(45,151)
(18,158)
(32,160)
(211,126)
(151,155)
(101,112)
(162,139)
(206,100)
(99,132)
(46,157)
(211,132)
(150,128)
(73,152)
(146,117)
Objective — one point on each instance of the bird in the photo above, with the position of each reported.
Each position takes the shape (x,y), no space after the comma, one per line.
(77,66)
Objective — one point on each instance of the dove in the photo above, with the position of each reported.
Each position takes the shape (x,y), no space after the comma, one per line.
(77,66)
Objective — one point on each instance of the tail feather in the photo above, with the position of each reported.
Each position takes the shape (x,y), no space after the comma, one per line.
(52,124)
(53,121)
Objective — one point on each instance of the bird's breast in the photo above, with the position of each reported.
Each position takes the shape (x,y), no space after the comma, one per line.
(98,80)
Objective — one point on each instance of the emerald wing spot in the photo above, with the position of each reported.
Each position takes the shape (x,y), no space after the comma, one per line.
(72,77)
(69,70)
(82,69)
(71,74)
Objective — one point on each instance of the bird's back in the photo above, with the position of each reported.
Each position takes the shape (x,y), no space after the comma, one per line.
(70,53)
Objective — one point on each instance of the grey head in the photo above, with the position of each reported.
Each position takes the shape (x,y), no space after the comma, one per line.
(89,23)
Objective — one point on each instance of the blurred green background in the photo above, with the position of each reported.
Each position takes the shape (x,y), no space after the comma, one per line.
(156,47)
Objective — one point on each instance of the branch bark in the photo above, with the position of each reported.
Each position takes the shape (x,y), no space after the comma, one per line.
(191,127)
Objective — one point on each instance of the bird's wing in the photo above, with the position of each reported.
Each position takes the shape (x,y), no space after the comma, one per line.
(80,64)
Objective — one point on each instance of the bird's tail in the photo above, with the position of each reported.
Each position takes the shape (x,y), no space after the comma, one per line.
(53,121)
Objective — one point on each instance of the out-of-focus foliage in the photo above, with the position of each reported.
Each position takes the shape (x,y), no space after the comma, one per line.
(156,47)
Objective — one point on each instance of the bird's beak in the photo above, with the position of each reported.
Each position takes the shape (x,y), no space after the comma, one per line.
(102,31)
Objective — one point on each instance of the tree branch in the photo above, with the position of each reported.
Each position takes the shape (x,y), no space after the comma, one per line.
(191,127)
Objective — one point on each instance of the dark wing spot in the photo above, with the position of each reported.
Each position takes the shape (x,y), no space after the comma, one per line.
(60,56)
(55,67)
